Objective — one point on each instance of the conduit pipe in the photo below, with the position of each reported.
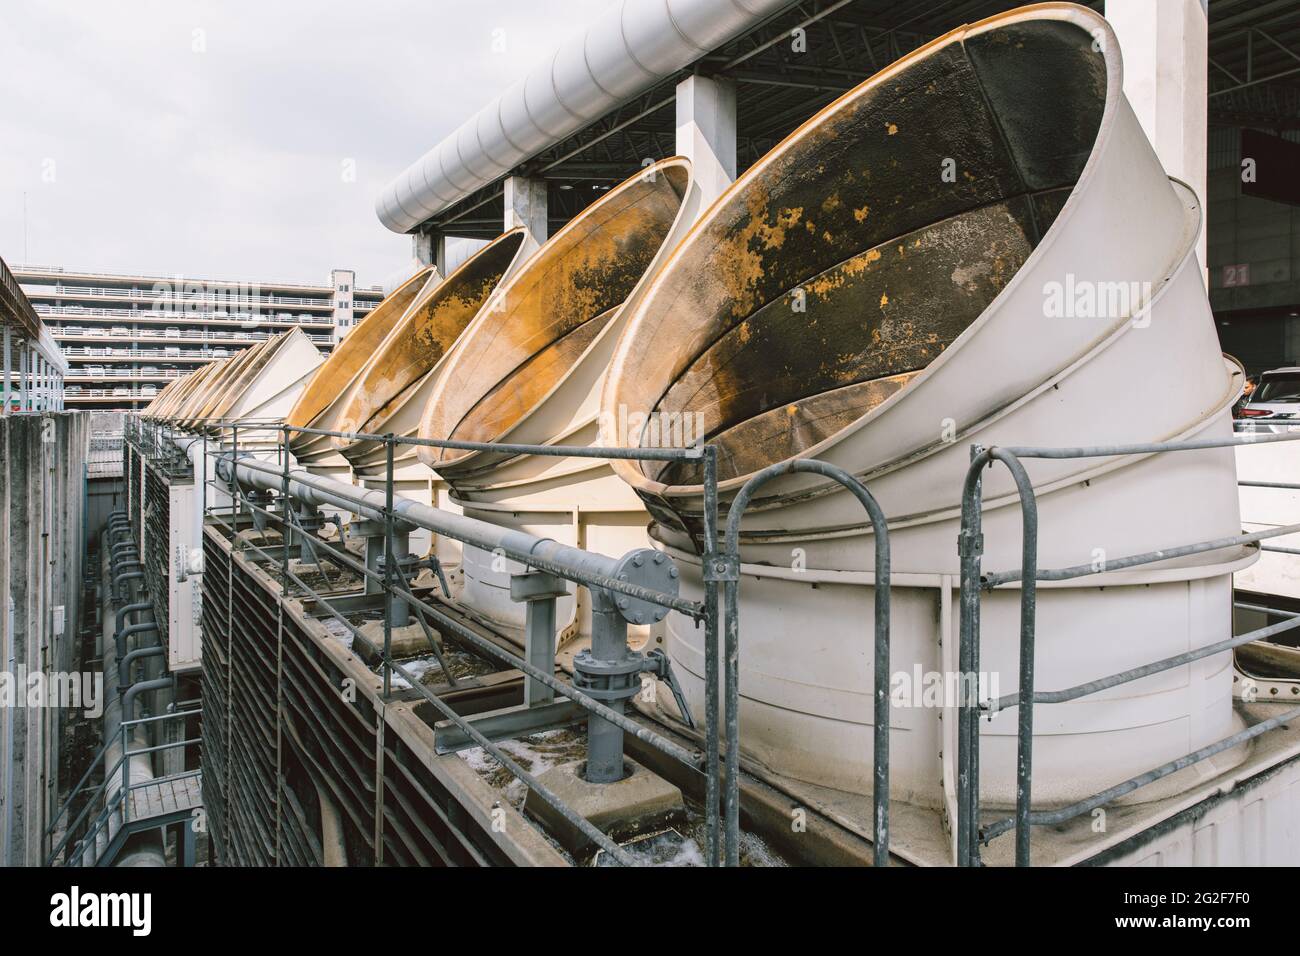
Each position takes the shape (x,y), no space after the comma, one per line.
(144,849)
(124,667)
(318,491)
(976,246)
(123,636)
(128,609)
(529,371)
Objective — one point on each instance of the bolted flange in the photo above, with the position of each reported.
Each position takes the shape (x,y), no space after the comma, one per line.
(649,569)
(608,680)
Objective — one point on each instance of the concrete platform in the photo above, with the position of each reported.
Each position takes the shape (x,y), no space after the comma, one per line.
(641,802)
(407,641)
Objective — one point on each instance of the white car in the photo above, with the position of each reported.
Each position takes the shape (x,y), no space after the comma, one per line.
(1274,406)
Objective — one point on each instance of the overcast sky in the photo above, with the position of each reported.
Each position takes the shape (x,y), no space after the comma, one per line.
(210,138)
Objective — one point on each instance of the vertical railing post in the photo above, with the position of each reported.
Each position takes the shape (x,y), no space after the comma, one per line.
(8,368)
(731,654)
(389,561)
(284,505)
(725,567)
(203,475)
(880,665)
(236,500)
(970,548)
(1028,614)
(712,741)
(126,768)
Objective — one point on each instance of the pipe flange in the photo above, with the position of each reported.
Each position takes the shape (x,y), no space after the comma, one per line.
(647,568)
(608,680)
(588,666)
(408,565)
(310,523)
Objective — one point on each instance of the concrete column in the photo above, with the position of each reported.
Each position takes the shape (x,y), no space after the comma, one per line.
(8,371)
(429,247)
(525,202)
(24,376)
(1166,62)
(706,133)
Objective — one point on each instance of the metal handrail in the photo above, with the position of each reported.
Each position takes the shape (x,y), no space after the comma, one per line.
(726,567)
(396,586)
(122,765)
(970,832)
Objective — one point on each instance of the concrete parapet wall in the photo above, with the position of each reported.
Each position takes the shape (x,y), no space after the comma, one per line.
(42,501)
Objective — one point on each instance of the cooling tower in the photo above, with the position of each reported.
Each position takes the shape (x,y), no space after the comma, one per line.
(529,370)
(977,245)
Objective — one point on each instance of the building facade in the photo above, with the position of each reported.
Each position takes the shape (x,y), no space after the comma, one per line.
(126,336)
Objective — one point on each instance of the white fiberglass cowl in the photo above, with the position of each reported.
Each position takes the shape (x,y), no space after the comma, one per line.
(978,245)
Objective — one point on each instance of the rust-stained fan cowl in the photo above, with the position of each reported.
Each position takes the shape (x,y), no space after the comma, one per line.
(976,246)
(201,412)
(548,317)
(256,386)
(392,389)
(173,396)
(193,384)
(159,400)
(328,391)
(189,386)
(529,370)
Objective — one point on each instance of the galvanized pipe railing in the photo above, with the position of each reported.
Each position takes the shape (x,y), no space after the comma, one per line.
(76,846)
(970,832)
(236,471)
(725,567)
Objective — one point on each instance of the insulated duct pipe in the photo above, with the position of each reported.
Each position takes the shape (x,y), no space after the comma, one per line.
(625,52)
(976,246)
